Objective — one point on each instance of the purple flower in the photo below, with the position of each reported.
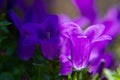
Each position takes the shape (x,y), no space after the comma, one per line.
(77,45)
(111,21)
(37,29)
(86,8)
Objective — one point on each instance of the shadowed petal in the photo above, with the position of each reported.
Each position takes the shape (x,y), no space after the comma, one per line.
(49,48)
(27,47)
(16,20)
(108,57)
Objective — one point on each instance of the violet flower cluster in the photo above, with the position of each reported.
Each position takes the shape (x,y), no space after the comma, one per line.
(59,36)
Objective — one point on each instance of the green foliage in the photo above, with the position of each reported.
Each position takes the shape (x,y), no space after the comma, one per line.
(8,37)
(80,75)
(112,75)
(116,74)
(96,77)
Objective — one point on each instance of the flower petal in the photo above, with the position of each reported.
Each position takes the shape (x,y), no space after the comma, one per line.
(87,8)
(70,29)
(108,57)
(94,31)
(36,12)
(102,38)
(15,19)
(26,48)
(80,52)
(66,68)
(49,48)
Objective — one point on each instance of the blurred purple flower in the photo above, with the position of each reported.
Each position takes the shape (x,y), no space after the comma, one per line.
(86,8)
(111,21)
(77,45)
(37,29)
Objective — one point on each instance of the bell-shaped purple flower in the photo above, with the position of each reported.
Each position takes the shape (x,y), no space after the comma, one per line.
(77,45)
(37,29)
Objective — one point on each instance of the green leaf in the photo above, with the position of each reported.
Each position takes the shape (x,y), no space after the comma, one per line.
(2,16)
(118,71)
(96,77)
(4,23)
(83,74)
(116,74)
(69,77)
(108,74)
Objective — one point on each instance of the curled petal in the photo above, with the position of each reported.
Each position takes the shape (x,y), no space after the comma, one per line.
(94,31)
(102,38)
(70,29)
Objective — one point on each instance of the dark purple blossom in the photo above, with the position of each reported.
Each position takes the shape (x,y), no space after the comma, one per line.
(37,28)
